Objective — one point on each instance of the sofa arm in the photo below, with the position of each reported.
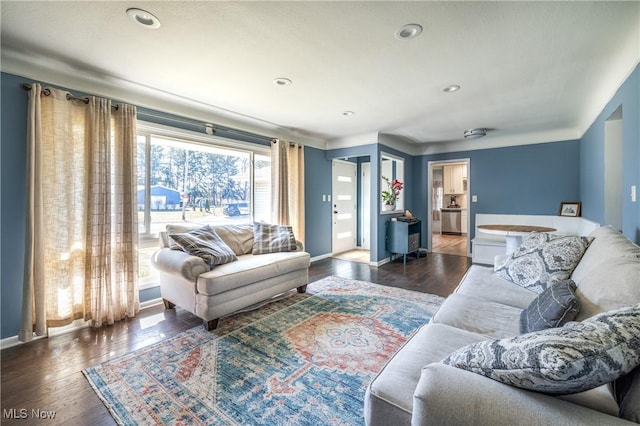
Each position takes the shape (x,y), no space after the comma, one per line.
(447,395)
(179,263)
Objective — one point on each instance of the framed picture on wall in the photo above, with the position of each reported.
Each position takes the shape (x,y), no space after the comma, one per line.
(570,208)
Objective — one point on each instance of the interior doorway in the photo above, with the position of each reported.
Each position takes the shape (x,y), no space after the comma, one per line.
(448,207)
(344,199)
(613,167)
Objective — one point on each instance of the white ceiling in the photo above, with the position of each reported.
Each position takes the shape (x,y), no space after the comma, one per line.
(530,71)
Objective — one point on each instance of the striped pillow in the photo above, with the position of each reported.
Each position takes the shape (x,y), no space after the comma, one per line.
(554,307)
(205,243)
(269,238)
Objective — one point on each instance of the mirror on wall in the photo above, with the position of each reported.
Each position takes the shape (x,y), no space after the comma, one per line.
(391,183)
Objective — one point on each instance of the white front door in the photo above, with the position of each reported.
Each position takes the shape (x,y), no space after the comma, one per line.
(344,206)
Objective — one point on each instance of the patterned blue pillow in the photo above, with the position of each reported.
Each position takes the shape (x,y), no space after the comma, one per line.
(574,358)
(555,306)
(543,259)
(269,238)
(205,243)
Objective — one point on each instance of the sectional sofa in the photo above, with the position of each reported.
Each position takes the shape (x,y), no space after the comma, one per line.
(445,374)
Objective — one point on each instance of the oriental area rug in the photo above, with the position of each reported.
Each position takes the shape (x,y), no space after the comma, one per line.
(304,359)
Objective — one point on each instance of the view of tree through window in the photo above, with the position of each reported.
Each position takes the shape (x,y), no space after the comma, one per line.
(194,182)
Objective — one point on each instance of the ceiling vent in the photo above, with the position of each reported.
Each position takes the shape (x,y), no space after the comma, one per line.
(475,133)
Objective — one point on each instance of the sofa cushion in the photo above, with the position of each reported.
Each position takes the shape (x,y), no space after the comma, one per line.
(543,259)
(479,315)
(480,281)
(238,237)
(390,395)
(555,306)
(250,269)
(608,276)
(268,238)
(576,357)
(206,244)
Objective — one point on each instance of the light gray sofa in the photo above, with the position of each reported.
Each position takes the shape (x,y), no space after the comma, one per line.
(187,281)
(416,388)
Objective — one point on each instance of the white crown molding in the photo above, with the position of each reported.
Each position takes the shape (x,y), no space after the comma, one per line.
(93,82)
(89,81)
(396,142)
(399,143)
(500,141)
(353,140)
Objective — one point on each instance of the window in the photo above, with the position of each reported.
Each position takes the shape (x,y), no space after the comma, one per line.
(187,177)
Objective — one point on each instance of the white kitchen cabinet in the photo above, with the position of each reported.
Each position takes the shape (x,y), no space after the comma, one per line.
(452,179)
(463,221)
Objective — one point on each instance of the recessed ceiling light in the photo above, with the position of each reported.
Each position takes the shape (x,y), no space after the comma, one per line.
(143,18)
(348,113)
(281,81)
(409,31)
(475,133)
(452,88)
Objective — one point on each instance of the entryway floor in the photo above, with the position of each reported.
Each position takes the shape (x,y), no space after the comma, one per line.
(357,255)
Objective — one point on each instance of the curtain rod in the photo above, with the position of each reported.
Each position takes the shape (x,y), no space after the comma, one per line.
(69,96)
(47,92)
(291,144)
(207,124)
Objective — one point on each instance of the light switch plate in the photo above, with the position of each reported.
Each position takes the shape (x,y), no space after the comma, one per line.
(474,198)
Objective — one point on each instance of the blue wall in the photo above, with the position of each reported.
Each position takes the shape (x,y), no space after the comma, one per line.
(13,186)
(527,179)
(373,153)
(530,179)
(592,158)
(317,182)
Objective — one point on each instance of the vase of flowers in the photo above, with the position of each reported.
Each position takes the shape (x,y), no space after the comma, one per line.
(391,194)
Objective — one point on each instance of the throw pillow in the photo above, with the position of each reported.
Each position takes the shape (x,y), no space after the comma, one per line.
(179,228)
(205,243)
(574,358)
(555,306)
(268,238)
(543,259)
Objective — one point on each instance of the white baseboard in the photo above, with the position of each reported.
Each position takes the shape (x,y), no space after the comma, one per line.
(322,256)
(380,262)
(9,342)
(150,303)
(76,325)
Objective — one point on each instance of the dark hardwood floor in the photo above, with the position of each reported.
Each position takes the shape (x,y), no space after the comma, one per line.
(46,374)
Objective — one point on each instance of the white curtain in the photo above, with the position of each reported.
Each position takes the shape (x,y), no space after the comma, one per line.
(81,239)
(287,181)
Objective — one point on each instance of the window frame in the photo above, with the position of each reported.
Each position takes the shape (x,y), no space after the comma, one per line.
(148,130)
